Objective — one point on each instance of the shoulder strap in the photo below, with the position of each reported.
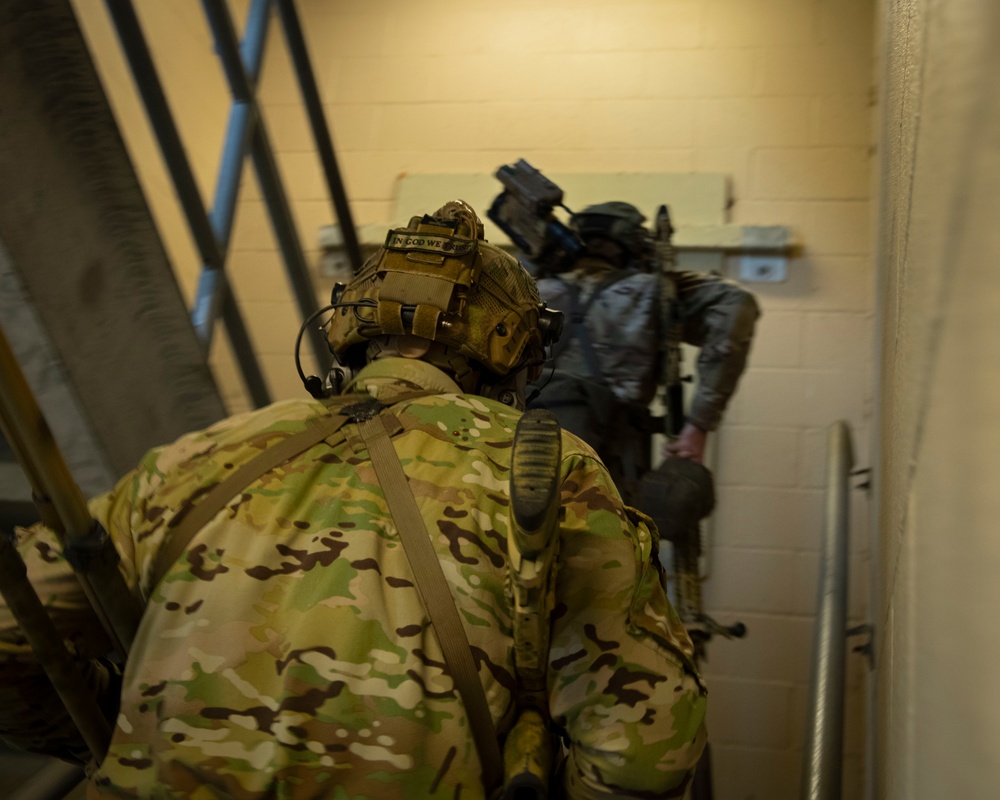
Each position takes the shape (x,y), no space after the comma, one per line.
(434,591)
(611,280)
(216,500)
(578,322)
(285,450)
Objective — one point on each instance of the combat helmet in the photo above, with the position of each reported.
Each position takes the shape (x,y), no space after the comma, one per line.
(618,221)
(439,280)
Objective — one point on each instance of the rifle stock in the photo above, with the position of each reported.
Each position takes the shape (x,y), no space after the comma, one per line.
(531,545)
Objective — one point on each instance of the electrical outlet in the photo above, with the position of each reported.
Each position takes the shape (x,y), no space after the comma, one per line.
(763,269)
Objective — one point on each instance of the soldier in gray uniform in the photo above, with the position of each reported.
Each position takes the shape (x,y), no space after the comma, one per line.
(623,314)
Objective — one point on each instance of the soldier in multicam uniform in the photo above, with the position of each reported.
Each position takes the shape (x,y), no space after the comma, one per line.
(284,650)
(609,362)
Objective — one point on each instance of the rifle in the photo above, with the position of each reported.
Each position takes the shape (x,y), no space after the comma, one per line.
(531,544)
(672,378)
(678,495)
(524,211)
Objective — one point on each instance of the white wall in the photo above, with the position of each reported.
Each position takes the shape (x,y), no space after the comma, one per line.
(939,386)
(775,94)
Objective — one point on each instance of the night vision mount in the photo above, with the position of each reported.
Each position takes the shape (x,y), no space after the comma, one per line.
(524,211)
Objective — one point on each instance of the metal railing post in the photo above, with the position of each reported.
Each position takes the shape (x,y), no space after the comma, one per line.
(63,507)
(821,775)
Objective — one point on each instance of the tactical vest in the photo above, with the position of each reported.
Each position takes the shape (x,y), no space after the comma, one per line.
(585,367)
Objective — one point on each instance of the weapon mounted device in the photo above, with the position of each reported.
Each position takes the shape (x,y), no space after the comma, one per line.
(524,211)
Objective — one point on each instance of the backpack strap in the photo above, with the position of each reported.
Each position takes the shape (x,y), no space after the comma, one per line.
(216,500)
(288,448)
(430,580)
(434,590)
(577,322)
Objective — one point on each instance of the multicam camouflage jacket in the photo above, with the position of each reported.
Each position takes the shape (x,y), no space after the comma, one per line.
(625,328)
(286,654)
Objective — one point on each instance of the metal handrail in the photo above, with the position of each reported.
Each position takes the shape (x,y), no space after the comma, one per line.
(53,781)
(242,85)
(821,775)
(320,129)
(62,505)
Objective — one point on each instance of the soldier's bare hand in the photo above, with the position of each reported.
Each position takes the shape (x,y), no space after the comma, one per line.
(690,443)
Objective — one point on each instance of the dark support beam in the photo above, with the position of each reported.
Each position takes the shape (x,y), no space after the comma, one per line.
(162,122)
(77,230)
(212,242)
(321,132)
(243,347)
(243,89)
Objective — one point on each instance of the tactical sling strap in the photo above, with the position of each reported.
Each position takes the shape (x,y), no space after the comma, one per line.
(578,322)
(373,420)
(216,500)
(434,591)
(316,431)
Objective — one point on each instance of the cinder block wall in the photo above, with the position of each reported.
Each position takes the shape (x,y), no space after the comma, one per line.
(776,94)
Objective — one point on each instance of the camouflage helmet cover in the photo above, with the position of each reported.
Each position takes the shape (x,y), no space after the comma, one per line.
(616,220)
(439,280)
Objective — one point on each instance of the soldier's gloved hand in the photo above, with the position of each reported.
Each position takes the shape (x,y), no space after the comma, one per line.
(690,443)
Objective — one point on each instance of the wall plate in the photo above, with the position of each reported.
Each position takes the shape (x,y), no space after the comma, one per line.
(763,269)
